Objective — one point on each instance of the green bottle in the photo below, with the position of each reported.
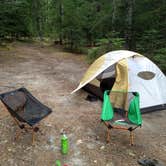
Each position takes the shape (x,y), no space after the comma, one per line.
(58,163)
(64,144)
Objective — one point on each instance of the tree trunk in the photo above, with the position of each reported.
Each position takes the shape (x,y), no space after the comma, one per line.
(61,15)
(114,13)
(39,27)
(129,35)
(71,40)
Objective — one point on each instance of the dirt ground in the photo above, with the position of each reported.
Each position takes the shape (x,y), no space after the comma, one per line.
(50,75)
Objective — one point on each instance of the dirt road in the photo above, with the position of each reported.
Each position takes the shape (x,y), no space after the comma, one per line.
(51,74)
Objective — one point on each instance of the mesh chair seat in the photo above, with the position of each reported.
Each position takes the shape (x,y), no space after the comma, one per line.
(122,122)
(24,107)
(120,119)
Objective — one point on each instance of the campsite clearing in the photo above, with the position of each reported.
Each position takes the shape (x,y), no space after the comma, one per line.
(50,74)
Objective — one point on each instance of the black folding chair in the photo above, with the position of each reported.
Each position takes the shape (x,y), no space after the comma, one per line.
(25,109)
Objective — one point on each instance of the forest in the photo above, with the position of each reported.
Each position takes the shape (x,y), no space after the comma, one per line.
(46,47)
(89,26)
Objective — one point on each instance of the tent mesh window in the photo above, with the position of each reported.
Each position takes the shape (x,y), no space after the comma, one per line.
(146,75)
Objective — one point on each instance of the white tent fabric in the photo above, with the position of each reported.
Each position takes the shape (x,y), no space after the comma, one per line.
(152,92)
(110,58)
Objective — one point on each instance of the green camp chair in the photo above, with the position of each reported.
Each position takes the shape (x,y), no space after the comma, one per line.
(121,110)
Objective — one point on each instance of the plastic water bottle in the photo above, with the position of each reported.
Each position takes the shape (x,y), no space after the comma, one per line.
(64,144)
(58,163)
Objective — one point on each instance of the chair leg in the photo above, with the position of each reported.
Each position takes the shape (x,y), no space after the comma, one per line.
(108,135)
(33,137)
(17,134)
(131,138)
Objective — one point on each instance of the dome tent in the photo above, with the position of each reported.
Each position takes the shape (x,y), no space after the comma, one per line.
(133,72)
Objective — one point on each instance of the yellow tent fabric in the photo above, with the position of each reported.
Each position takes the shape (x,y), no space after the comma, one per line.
(95,82)
(120,100)
(92,69)
(121,82)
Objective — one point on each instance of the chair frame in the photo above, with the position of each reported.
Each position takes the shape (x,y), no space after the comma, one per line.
(109,127)
(20,122)
(23,126)
(26,128)
(130,127)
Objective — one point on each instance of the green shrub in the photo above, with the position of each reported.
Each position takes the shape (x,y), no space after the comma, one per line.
(93,53)
(103,46)
(159,58)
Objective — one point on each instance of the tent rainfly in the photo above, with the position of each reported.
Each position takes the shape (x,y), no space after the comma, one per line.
(124,70)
